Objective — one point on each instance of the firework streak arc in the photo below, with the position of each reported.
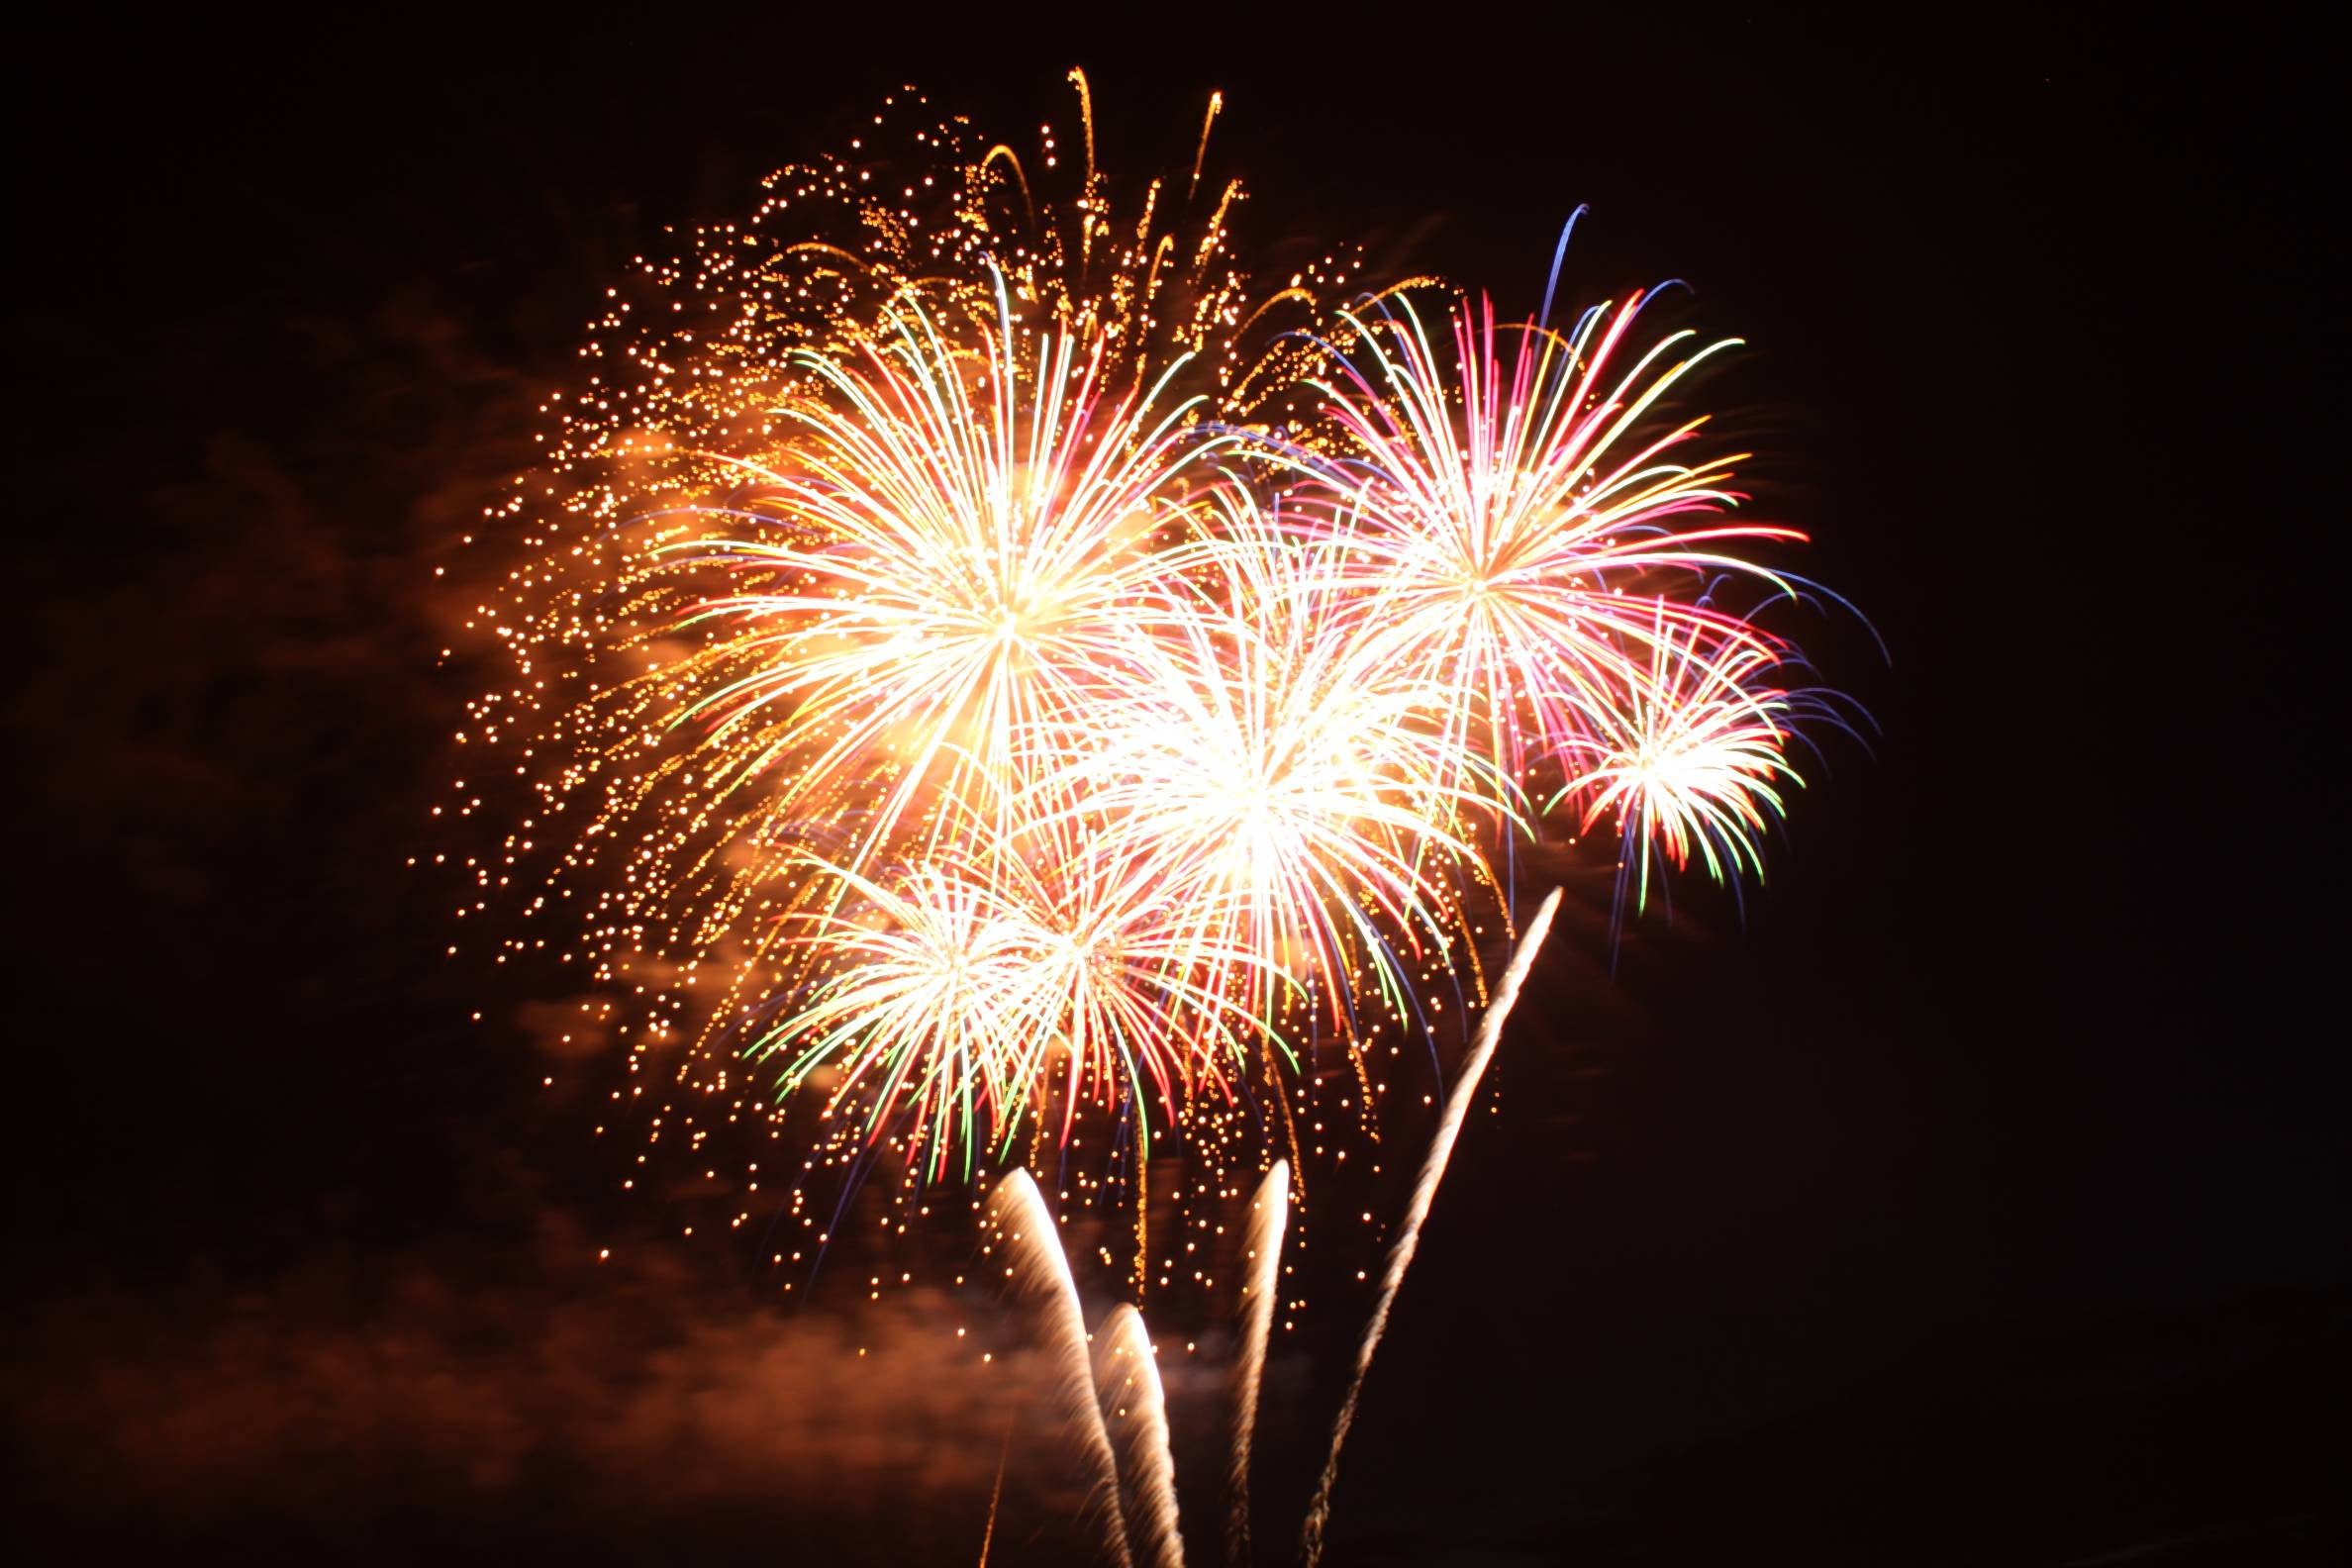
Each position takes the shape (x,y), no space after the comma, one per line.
(1040,1270)
(1128,1381)
(1425,1191)
(1269,1220)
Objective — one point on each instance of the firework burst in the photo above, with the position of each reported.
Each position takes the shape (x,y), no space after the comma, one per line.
(1300,805)
(1691,759)
(1516,517)
(866,516)
(951,569)
(1022,682)
(953,1003)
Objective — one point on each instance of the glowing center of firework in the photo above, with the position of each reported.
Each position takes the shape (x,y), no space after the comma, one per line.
(1253,815)
(1659,773)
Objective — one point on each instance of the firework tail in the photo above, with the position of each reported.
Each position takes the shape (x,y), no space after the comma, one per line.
(1425,1189)
(1269,1219)
(996,1495)
(1128,1381)
(1042,1271)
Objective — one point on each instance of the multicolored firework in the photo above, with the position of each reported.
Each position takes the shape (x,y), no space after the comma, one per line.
(1519,538)
(997,690)
(1692,758)
(958,998)
(1292,793)
(985,670)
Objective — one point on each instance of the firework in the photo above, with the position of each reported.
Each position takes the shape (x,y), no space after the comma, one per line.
(960,562)
(949,1001)
(1269,1218)
(1425,1191)
(875,509)
(1040,1270)
(1120,1384)
(1516,530)
(1020,730)
(1026,686)
(1128,1383)
(1691,757)
(1295,800)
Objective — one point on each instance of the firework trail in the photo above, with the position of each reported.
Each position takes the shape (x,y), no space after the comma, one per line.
(1269,1219)
(1041,1271)
(1127,1382)
(1424,1190)
(996,1495)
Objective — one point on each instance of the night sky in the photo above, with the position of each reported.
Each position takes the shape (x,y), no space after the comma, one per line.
(1977,1198)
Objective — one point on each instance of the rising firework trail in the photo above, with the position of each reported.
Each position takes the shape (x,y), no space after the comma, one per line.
(1128,1381)
(1041,1271)
(1269,1218)
(1121,1382)
(1424,1190)
(996,1495)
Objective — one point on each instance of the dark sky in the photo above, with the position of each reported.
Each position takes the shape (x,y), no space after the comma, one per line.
(1978,1202)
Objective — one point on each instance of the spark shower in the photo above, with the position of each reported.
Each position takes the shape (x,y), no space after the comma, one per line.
(1001,700)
